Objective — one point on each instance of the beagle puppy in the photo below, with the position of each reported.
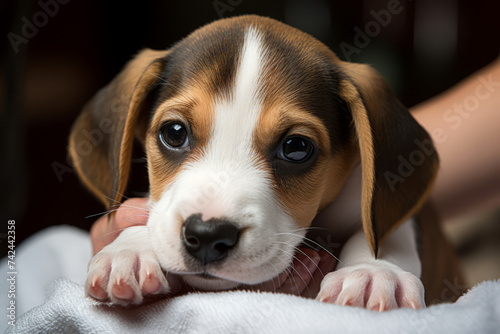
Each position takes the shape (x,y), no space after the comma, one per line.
(254,131)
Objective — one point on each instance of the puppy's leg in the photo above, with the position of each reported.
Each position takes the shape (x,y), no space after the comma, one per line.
(126,270)
(389,282)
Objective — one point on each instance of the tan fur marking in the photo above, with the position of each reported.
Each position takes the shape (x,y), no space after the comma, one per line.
(364,133)
(161,171)
(339,170)
(194,107)
(147,81)
(84,123)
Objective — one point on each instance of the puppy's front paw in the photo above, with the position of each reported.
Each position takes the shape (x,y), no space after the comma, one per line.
(124,277)
(377,285)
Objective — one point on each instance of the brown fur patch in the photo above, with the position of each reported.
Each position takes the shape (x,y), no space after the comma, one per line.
(107,126)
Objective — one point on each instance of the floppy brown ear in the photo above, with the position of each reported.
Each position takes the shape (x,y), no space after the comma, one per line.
(101,139)
(398,160)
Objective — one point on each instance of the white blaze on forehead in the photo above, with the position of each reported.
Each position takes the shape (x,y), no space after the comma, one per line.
(227,173)
(248,77)
(235,116)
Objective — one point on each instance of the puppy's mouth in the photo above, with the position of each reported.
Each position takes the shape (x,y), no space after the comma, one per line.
(206,275)
(255,259)
(207,281)
(228,273)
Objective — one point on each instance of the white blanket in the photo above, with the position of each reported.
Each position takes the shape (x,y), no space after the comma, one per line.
(66,310)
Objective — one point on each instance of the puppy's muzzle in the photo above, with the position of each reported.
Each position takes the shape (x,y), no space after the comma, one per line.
(211,240)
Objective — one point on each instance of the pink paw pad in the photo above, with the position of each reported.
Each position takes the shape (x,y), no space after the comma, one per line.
(151,284)
(97,292)
(123,291)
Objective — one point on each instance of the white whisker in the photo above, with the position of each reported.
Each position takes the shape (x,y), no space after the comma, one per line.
(107,212)
(117,231)
(313,242)
(302,252)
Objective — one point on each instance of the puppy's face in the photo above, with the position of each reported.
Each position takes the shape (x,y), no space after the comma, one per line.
(246,135)
(250,127)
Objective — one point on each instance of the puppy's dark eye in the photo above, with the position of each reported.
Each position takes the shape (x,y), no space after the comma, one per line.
(296,149)
(174,135)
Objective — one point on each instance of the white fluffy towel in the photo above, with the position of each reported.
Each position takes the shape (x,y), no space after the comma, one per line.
(67,310)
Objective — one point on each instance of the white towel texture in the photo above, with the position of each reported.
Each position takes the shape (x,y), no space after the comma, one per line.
(67,310)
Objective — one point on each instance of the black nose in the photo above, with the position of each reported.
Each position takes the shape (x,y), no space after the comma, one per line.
(211,240)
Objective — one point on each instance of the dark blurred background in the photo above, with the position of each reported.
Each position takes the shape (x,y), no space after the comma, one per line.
(57,54)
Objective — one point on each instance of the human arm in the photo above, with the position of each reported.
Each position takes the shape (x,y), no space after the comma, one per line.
(464,123)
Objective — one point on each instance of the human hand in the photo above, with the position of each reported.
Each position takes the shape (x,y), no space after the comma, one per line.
(132,212)
(302,278)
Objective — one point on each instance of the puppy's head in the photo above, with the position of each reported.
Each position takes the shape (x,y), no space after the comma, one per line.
(250,127)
